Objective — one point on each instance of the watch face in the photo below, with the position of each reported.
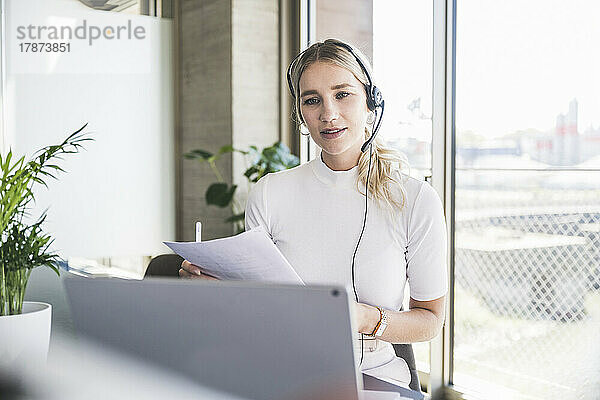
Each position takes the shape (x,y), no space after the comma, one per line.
(381,329)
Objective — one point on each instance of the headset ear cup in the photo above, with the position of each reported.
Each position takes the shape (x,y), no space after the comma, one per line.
(377,97)
(374,99)
(370,104)
(370,101)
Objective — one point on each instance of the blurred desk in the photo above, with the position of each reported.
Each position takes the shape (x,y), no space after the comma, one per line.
(78,369)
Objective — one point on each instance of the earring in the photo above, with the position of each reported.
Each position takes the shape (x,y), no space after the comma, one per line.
(304,130)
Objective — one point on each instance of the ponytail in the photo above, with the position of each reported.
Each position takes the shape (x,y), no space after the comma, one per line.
(385,184)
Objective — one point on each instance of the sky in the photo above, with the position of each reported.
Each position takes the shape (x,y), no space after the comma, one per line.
(519,63)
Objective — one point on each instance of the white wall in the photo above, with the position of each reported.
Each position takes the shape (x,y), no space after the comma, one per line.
(117,197)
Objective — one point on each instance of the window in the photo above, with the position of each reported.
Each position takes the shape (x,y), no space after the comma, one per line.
(527,221)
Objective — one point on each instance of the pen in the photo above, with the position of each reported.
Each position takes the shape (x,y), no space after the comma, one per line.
(198,231)
(199,237)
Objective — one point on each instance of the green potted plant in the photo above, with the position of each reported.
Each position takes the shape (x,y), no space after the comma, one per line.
(270,159)
(25,326)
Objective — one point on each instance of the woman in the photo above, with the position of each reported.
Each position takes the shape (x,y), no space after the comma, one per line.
(315,213)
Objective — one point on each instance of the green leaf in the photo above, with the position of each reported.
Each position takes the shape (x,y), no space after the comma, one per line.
(226,149)
(237,217)
(254,155)
(278,157)
(56,167)
(220,194)
(199,154)
(251,171)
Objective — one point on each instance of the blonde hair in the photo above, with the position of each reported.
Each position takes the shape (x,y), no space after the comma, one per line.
(386,160)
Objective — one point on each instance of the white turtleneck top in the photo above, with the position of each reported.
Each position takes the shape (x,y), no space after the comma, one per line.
(314,216)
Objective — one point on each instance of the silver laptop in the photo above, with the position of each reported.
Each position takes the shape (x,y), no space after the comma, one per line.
(258,341)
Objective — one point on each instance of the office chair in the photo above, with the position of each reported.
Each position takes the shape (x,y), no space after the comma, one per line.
(164,265)
(405,351)
(169,264)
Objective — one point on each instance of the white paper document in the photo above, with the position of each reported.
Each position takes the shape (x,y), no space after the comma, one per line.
(250,256)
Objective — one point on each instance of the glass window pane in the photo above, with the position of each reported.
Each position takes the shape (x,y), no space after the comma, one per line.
(527,270)
(527,228)
(403,66)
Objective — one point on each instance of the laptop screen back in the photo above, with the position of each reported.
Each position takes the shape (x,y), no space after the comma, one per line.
(254,340)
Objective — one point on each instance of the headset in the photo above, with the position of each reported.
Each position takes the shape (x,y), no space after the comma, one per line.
(374,96)
(374,102)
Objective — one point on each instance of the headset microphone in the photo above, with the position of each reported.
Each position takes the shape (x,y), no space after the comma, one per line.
(370,140)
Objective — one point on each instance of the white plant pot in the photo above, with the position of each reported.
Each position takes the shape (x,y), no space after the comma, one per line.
(25,338)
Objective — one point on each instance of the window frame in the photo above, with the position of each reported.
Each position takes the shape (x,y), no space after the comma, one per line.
(2,74)
(443,173)
(308,34)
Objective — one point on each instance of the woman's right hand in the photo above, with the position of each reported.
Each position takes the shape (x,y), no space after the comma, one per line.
(189,270)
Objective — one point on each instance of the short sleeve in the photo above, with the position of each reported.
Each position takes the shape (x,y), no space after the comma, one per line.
(256,209)
(426,247)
